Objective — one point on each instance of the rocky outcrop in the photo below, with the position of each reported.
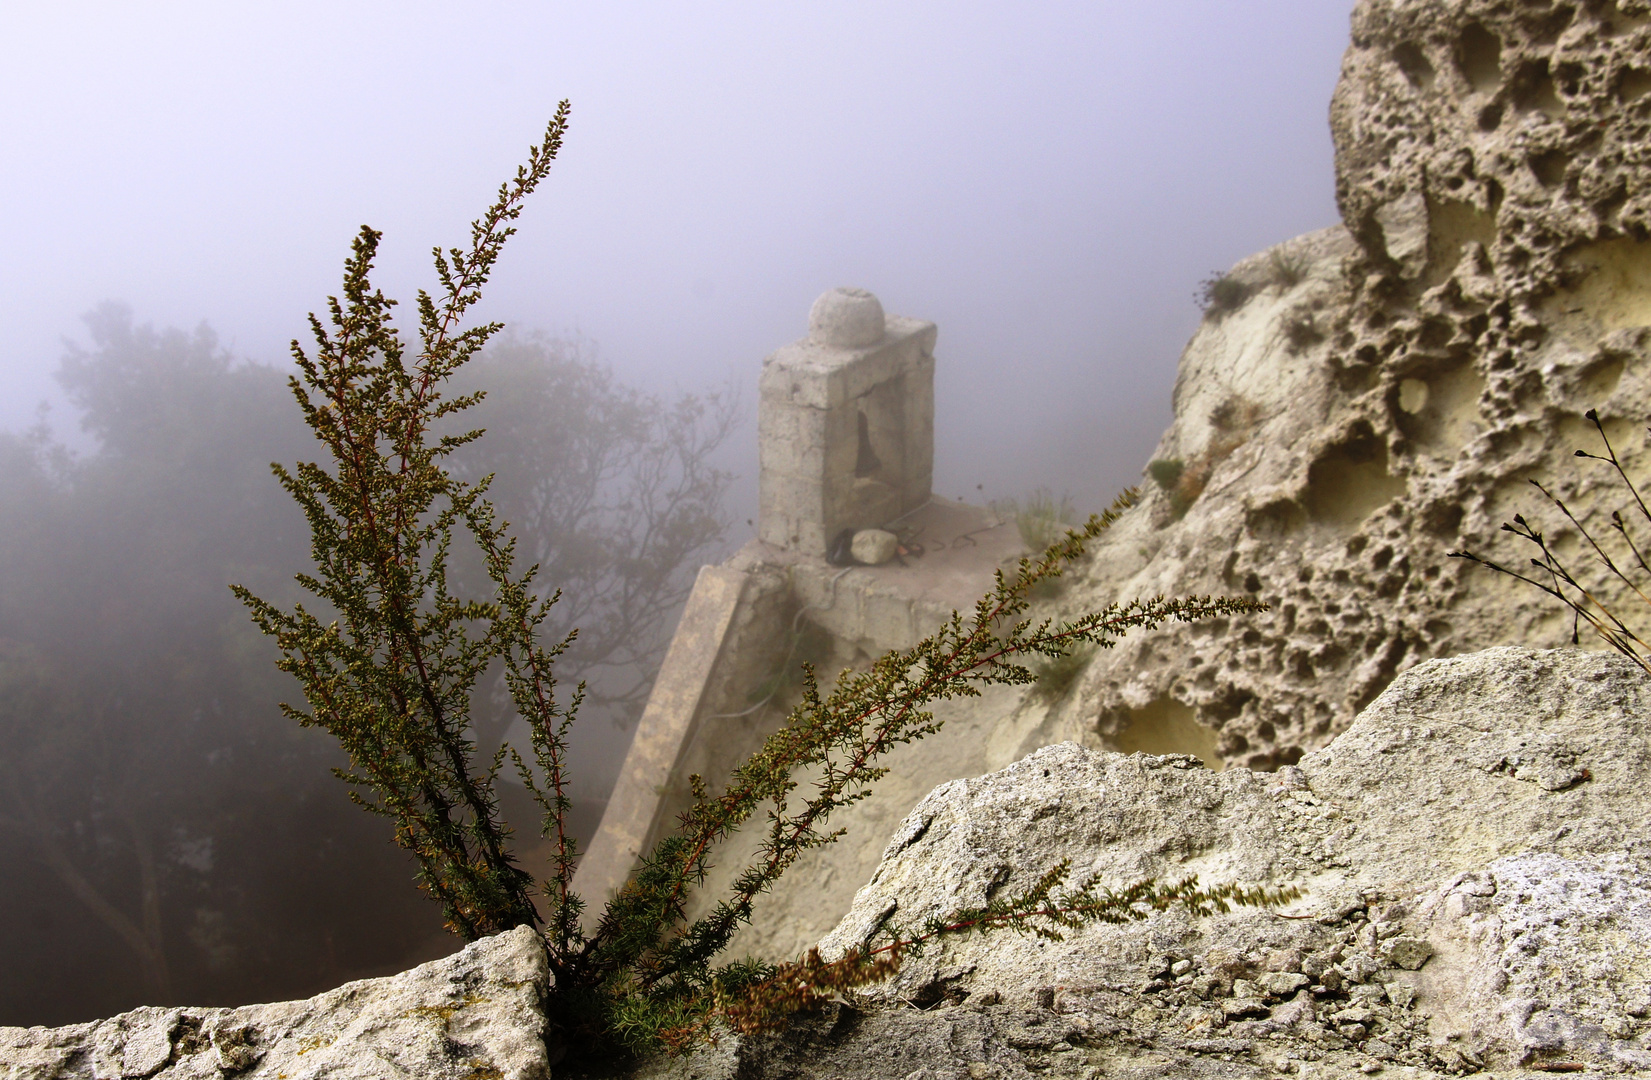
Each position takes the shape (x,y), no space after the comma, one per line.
(1476,883)
(475,1015)
(1363,400)
(1476,894)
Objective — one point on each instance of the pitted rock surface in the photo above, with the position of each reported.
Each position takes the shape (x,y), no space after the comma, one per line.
(472,1016)
(1365,399)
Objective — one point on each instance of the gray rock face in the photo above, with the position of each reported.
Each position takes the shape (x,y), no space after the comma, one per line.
(1477,894)
(1477,890)
(1367,398)
(472,1016)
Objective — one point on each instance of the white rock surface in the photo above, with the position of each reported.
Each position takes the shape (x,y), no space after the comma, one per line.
(472,1016)
(873,547)
(1473,851)
(846,318)
(1477,896)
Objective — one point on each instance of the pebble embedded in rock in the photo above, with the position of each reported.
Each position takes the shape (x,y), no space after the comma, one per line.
(1237,1008)
(1408,953)
(873,547)
(1281,983)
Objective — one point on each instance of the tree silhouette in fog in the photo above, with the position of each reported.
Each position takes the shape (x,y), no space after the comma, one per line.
(165,835)
(612,494)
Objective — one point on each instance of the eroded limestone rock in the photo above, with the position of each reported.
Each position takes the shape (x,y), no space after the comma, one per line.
(1383,391)
(472,1016)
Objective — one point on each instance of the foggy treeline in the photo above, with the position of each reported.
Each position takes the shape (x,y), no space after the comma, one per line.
(166,836)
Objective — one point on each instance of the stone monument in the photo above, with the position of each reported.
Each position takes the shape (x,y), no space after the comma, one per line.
(845,424)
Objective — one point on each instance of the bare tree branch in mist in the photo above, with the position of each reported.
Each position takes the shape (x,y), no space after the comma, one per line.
(143,935)
(612,493)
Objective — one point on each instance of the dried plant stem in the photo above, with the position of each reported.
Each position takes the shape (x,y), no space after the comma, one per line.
(1556,579)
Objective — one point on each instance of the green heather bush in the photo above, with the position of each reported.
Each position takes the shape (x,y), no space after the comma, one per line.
(1041,519)
(1288,268)
(1056,674)
(1219,294)
(1166,472)
(389,658)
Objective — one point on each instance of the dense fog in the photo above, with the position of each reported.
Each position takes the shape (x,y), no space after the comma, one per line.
(1049,185)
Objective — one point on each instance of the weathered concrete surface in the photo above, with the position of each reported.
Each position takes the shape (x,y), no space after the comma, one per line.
(669,722)
(864,611)
(872,609)
(1477,881)
(1380,393)
(474,1015)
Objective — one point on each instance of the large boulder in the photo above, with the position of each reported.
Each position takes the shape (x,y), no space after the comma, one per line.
(1476,892)
(475,1015)
(1363,400)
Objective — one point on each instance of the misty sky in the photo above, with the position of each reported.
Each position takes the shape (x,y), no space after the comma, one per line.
(1048,182)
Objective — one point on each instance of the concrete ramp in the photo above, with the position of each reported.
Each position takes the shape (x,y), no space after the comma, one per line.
(669,723)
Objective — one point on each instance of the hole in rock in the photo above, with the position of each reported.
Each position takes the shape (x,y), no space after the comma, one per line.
(1549,167)
(1435,333)
(1413,62)
(1350,481)
(1633,84)
(1490,118)
(1275,520)
(1166,726)
(1446,416)
(1619,19)
(1443,518)
(1480,57)
(1452,224)
(1533,90)
(1547,31)
(1568,77)
(1600,380)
